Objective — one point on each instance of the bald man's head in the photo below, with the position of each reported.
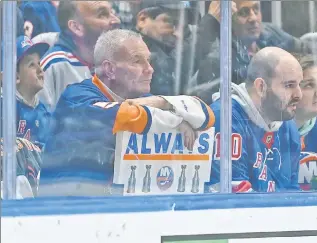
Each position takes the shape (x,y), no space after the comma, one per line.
(273,82)
(87,18)
(265,64)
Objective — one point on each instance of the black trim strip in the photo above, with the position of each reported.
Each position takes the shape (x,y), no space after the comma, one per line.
(276,234)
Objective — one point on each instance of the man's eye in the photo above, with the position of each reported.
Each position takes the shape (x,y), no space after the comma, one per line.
(244,12)
(103,14)
(309,85)
(289,86)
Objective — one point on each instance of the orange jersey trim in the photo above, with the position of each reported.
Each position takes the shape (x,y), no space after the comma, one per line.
(132,118)
(302,141)
(308,159)
(211,114)
(153,157)
(96,81)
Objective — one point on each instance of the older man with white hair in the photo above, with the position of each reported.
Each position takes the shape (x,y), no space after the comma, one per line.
(79,155)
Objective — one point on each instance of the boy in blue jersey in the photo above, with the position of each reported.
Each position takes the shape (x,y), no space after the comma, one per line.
(32,116)
(79,155)
(265,141)
(305,119)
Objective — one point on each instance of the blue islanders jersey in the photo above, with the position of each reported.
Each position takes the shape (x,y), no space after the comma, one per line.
(82,144)
(308,160)
(268,160)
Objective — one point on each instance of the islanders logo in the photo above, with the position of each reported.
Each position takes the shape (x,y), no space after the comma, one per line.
(165,178)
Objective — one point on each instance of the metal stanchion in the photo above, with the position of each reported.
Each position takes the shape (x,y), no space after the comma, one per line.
(225,94)
(9,102)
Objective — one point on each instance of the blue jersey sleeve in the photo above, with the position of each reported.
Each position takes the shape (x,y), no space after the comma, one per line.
(94,112)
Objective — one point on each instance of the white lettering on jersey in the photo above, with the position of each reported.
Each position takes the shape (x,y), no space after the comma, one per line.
(263,174)
(307,171)
(106,105)
(259,159)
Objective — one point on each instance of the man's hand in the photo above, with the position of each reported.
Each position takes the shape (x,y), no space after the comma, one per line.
(214,9)
(152,101)
(188,134)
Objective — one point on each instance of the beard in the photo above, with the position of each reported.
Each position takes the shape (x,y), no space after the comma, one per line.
(91,36)
(275,109)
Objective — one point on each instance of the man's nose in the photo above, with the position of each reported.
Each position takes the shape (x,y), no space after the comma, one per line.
(148,69)
(114,20)
(298,93)
(39,69)
(252,16)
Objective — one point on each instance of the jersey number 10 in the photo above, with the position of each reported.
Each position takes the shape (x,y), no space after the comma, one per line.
(236,148)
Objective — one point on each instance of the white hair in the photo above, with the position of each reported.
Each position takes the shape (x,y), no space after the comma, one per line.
(109,43)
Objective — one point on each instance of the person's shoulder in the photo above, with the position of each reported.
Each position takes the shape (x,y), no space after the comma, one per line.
(273,35)
(58,54)
(239,117)
(269,28)
(237,109)
(80,89)
(43,107)
(82,93)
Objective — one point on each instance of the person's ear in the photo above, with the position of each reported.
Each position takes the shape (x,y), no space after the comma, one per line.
(142,20)
(109,69)
(260,87)
(76,28)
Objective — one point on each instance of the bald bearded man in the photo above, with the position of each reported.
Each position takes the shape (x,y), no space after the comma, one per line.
(265,141)
(70,60)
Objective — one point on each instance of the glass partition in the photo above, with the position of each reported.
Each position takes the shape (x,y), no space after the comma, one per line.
(130,98)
